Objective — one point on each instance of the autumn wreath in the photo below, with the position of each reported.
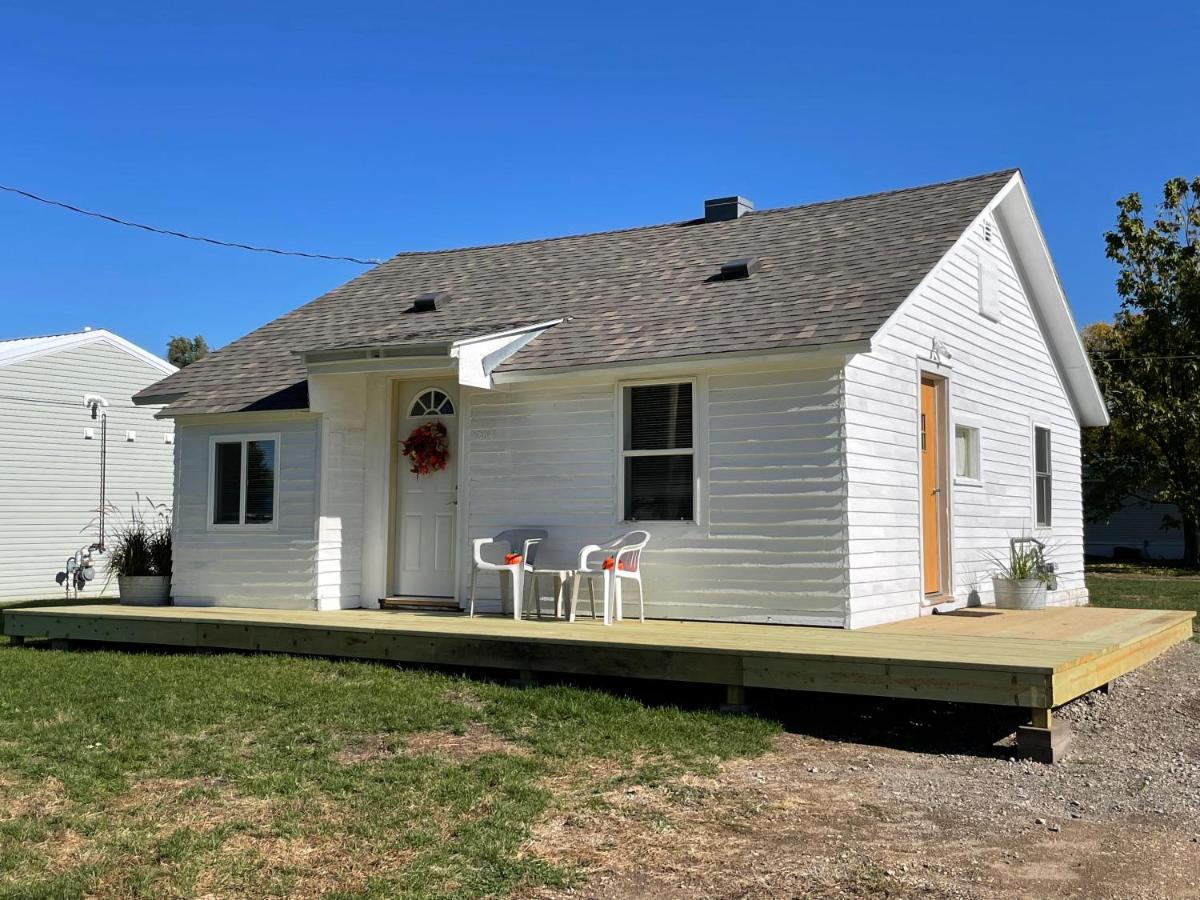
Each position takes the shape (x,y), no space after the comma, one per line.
(427,449)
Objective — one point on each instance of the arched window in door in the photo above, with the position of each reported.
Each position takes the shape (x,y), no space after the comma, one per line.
(431,403)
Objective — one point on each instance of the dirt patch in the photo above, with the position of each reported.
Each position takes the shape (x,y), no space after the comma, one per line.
(371,748)
(199,804)
(826,817)
(476,741)
(300,867)
(19,799)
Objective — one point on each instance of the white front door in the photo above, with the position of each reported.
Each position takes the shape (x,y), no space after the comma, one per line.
(426,505)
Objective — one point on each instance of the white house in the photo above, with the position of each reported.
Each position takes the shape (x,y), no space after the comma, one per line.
(52,451)
(831,414)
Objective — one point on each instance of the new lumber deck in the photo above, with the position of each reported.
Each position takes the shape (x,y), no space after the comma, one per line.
(1037,660)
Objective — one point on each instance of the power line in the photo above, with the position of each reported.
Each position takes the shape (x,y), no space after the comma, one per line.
(187,237)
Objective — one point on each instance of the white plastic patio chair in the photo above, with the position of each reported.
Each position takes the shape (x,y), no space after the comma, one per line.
(515,540)
(626,555)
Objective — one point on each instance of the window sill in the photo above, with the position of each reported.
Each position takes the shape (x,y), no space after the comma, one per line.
(243,529)
(964,481)
(635,522)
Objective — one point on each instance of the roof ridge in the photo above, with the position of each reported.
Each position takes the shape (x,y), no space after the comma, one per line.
(43,337)
(408,254)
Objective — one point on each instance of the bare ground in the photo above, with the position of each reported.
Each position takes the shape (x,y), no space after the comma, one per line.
(860,800)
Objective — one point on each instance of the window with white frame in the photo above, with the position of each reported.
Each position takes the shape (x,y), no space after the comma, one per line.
(1043,480)
(657,452)
(245,483)
(966,452)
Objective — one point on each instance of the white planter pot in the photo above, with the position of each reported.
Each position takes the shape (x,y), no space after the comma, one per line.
(144,590)
(1028,593)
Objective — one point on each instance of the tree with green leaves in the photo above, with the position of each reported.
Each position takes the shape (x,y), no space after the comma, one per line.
(1148,364)
(182,351)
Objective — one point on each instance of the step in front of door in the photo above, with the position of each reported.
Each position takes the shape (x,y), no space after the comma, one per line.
(440,604)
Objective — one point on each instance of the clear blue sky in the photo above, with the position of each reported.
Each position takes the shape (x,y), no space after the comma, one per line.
(369,128)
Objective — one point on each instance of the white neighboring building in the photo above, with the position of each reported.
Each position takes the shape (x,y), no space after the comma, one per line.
(1138,527)
(50,451)
(833,414)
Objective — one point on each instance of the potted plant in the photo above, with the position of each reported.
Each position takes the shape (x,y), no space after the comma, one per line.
(1021,582)
(141,560)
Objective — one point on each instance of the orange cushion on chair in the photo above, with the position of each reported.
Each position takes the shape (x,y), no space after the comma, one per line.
(511,559)
(608,564)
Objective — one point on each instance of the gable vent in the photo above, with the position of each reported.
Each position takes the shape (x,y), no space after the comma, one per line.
(430,301)
(743,267)
(726,209)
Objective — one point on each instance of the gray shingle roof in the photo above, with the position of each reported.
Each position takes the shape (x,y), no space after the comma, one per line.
(831,272)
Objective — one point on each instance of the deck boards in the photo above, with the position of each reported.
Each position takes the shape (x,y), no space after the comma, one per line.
(986,656)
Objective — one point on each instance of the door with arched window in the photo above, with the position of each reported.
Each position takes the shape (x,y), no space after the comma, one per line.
(426,500)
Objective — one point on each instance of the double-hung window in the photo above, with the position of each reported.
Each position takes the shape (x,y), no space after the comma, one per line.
(244,474)
(658,453)
(1043,481)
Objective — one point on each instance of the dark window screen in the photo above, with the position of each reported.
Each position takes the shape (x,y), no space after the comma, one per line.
(227,484)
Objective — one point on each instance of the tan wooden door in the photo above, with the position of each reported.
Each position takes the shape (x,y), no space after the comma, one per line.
(931,492)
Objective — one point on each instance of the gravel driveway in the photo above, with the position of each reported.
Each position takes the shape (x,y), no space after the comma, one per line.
(861,799)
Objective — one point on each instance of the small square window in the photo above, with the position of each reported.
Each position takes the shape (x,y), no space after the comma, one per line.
(966,452)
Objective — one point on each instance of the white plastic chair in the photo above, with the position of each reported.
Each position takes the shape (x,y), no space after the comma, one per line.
(514,540)
(626,555)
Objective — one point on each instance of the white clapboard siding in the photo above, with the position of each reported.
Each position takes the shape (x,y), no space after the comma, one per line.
(769,543)
(1003,379)
(49,472)
(248,567)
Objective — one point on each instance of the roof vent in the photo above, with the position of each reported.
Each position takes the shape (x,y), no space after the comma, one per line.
(725,209)
(740,268)
(430,301)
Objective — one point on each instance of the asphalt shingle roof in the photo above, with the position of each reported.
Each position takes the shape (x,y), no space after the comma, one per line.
(831,272)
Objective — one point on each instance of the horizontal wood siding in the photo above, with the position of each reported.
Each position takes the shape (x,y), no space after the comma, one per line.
(50,474)
(1004,380)
(272,569)
(770,541)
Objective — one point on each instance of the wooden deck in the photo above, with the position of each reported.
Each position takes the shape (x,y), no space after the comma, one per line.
(1036,660)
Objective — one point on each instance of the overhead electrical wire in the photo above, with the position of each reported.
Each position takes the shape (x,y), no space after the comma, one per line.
(187,237)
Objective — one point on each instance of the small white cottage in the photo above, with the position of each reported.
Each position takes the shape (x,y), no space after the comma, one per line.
(60,397)
(830,414)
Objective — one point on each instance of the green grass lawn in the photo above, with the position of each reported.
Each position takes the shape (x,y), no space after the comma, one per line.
(1143,587)
(148,775)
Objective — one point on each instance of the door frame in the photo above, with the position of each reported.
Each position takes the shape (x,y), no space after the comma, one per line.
(396,390)
(939,378)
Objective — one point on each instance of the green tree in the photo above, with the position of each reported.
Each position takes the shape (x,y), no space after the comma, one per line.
(1148,364)
(182,351)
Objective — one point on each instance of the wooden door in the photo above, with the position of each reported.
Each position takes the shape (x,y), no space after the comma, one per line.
(932,537)
(426,505)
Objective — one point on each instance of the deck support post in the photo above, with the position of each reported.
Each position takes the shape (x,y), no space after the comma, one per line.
(735,700)
(16,639)
(1043,740)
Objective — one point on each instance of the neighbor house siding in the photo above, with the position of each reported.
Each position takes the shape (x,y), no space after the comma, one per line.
(49,472)
(248,567)
(1137,526)
(769,542)
(1002,378)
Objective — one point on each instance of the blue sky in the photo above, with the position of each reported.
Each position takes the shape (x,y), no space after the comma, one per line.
(370,128)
